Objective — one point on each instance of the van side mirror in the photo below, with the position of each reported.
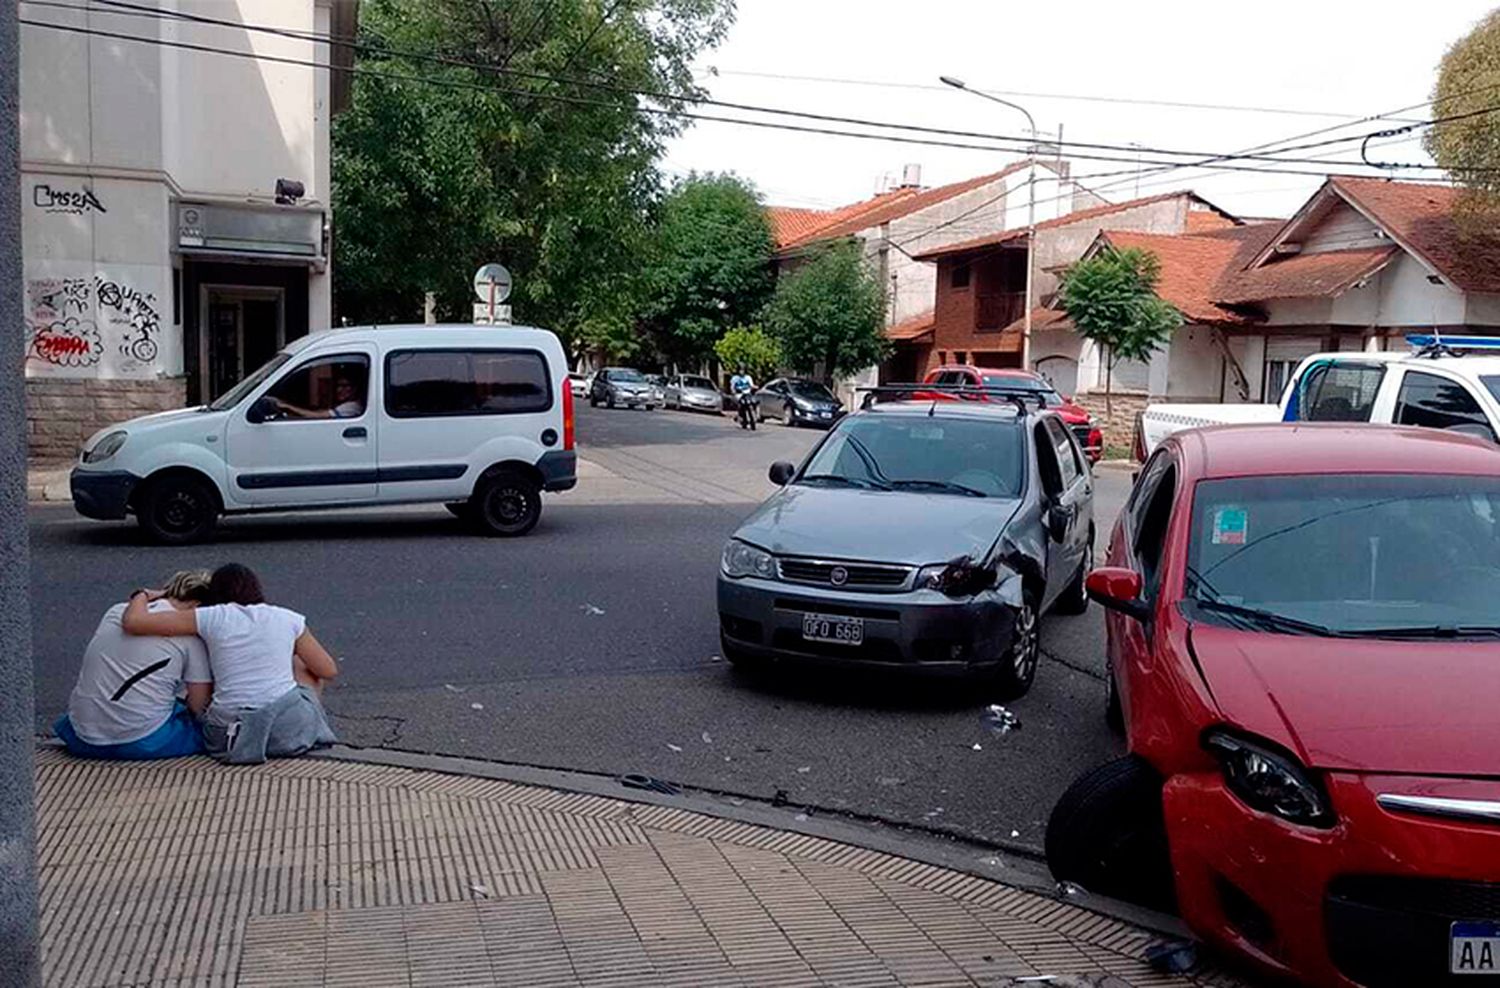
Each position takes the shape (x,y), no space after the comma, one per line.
(1118,589)
(262,409)
(782,473)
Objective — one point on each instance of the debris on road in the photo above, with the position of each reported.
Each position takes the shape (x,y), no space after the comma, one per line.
(1015,833)
(480,890)
(707,739)
(1172,956)
(715,658)
(1000,720)
(648,783)
(674,747)
(476,706)
(780,799)
(804,770)
(976,746)
(889,780)
(1069,889)
(591,610)
(800,818)
(933,814)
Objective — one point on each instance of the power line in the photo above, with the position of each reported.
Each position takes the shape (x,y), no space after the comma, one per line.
(1027,143)
(603,20)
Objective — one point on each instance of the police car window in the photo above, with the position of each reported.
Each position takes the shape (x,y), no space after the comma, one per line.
(1438,403)
(1341,392)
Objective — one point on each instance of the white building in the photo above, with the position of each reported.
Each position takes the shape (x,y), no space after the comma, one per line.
(160,266)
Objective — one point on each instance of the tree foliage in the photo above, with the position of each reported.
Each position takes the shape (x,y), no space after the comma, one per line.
(710,265)
(438,168)
(1468,78)
(830,313)
(751,348)
(1111,299)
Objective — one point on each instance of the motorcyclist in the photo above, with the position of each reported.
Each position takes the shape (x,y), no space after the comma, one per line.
(742,386)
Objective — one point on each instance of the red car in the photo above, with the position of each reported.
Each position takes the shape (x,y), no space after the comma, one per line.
(1304,653)
(1075,417)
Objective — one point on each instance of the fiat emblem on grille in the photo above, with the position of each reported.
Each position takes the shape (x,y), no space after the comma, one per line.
(838,576)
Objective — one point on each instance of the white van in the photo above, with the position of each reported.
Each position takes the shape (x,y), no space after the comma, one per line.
(478,418)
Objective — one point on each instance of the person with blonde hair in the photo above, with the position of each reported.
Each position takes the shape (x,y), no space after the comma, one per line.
(125,704)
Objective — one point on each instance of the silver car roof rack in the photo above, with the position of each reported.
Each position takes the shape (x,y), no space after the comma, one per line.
(1016,396)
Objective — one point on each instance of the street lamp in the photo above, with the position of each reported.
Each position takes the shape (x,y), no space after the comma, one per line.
(948,80)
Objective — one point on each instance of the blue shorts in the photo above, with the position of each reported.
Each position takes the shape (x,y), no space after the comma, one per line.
(178,736)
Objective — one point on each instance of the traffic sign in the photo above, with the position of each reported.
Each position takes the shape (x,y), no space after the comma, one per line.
(484,316)
(492,284)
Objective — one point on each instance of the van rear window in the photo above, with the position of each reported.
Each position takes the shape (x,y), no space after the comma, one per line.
(421,383)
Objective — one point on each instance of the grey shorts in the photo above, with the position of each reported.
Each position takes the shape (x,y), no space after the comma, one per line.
(290,725)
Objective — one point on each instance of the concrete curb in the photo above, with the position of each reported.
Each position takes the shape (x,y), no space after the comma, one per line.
(991,862)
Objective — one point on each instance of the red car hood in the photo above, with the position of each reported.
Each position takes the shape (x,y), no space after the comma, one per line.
(1424,708)
(1071,413)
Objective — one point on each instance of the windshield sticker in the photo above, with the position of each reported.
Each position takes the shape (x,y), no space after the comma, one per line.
(1230,526)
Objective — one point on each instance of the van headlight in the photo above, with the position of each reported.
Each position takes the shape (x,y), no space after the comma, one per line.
(104,448)
(741,559)
(1270,780)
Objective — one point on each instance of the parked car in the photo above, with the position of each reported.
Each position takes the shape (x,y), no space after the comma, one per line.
(1302,646)
(1452,382)
(915,538)
(1075,416)
(624,386)
(796,401)
(693,392)
(478,418)
(579,383)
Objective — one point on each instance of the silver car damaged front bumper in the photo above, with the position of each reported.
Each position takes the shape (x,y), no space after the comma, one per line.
(921,630)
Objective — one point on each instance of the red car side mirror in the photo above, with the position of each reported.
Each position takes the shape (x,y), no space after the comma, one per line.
(1118,589)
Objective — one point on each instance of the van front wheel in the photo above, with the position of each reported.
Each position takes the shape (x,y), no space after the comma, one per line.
(177,510)
(508,503)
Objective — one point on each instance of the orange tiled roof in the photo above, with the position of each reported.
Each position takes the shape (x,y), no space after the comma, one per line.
(1420,216)
(1042,317)
(1203,220)
(912,330)
(1193,266)
(1304,275)
(789,222)
(1078,216)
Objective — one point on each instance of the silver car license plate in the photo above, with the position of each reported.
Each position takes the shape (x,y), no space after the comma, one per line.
(829,628)
(1474,948)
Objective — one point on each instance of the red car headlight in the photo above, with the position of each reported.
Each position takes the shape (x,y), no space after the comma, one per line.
(1267,779)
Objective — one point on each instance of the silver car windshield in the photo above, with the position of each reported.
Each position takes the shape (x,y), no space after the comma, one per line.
(700,383)
(940,455)
(237,393)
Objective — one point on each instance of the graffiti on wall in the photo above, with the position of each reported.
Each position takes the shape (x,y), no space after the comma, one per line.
(69,320)
(44,196)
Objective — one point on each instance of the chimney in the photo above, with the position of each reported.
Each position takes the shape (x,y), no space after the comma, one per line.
(911,176)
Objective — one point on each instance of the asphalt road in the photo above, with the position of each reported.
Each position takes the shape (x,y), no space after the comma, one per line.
(592,644)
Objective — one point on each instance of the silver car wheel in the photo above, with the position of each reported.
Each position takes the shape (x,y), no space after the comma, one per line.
(1027,643)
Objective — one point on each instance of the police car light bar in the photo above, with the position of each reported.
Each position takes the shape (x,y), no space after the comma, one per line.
(1423,341)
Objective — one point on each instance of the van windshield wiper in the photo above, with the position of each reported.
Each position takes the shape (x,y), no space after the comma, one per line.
(1267,620)
(836,480)
(1435,631)
(938,485)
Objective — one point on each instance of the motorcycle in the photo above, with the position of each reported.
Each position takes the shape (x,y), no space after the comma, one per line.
(749,406)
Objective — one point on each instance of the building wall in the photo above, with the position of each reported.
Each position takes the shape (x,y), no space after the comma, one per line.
(1060,246)
(1344,228)
(1408,299)
(1482,311)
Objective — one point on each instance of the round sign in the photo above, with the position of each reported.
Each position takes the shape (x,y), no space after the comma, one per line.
(492,277)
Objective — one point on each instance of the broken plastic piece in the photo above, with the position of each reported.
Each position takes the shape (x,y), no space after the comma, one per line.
(476,706)
(649,784)
(480,890)
(591,610)
(707,739)
(674,747)
(1000,720)
(455,689)
(1069,889)
(804,770)
(780,798)
(977,746)
(1172,956)
(800,818)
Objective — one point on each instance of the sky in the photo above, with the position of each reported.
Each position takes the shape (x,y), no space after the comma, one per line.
(1329,61)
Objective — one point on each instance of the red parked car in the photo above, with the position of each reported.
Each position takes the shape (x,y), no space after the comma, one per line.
(1074,416)
(1304,653)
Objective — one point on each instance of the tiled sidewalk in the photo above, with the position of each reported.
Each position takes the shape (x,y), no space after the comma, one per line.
(321,872)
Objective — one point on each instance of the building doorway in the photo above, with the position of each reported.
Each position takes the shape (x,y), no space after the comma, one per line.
(243,327)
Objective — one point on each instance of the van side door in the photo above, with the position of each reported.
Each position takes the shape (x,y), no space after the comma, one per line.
(307,436)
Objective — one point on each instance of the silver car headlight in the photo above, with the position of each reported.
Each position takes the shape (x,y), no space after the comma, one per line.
(105,448)
(742,559)
(957,578)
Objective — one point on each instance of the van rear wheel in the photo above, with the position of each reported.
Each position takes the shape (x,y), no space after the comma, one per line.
(177,509)
(507,503)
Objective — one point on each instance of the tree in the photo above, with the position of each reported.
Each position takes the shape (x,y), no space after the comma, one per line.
(749,347)
(830,313)
(1111,299)
(439,165)
(1469,148)
(710,268)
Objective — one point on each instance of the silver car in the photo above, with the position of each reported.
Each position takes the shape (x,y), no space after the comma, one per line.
(693,393)
(917,535)
(626,386)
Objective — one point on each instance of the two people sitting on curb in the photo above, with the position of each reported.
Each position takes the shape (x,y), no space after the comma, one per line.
(250,675)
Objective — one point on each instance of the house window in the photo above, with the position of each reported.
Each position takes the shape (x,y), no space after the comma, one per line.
(960,276)
(960,357)
(1273,381)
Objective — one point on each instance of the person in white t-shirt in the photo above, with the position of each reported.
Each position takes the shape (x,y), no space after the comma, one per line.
(125,704)
(347,404)
(263,657)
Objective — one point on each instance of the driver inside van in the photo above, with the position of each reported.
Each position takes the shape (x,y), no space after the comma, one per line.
(348,403)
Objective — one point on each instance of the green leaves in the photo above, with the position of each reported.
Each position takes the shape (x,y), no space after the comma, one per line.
(1468,79)
(1111,299)
(830,313)
(751,348)
(710,266)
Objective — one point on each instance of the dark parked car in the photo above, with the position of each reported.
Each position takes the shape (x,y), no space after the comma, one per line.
(917,535)
(624,386)
(796,401)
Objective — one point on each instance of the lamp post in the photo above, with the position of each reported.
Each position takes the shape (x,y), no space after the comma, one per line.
(948,80)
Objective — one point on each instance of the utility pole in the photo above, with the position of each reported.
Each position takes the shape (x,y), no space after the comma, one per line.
(18,900)
(1030,206)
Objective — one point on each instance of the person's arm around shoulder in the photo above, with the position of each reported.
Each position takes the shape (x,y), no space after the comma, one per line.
(139,619)
(198,676)
(313,660)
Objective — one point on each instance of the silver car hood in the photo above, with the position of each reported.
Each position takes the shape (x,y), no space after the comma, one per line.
(876,526)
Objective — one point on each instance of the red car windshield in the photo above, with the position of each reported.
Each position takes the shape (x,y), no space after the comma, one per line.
(1379,556)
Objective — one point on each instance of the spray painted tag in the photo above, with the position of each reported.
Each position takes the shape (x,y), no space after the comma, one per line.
(1230,526)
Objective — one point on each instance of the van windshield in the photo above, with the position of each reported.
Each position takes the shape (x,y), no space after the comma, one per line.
(237,393)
